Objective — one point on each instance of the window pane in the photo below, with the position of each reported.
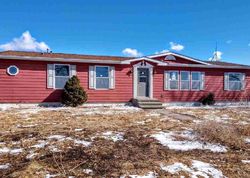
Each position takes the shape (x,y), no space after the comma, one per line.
(196,85)
(195,75)
(61,70)
(60,81)
(102,82)
(235,85)
(102,72)
(185,85)
(184,75)
(173,76)
(235,77)
(173,85)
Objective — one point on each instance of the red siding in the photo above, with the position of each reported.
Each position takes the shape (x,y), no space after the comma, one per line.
(214,82)
(30,85)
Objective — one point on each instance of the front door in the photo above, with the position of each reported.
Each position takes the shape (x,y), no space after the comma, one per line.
(143,82)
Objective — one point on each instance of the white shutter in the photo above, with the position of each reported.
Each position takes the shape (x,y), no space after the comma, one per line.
(50,75)
(72,70)
(92,77)
(243,81)
(111,77)
(226,81)
(202,83)
(166,79)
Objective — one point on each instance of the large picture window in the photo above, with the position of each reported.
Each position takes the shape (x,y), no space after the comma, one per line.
(235,81)
(185,80)
(102,77)
(62,74)
(173,80)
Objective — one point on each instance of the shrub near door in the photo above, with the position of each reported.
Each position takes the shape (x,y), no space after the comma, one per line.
(73,94)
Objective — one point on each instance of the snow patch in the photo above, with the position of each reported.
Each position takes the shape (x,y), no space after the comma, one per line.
(197,169)
(82,142)
(87,171)
(245,161)
(5,166)
(114,136)
(247,140)
(149,175)
(168,139)
(15,151)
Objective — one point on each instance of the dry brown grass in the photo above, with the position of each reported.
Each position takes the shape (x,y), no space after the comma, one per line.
(225,134)
(136,154)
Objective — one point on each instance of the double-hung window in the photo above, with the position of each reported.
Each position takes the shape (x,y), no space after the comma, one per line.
(234,81)
(173,80)
(62,74)
(102,77)
(196,83)
(185,80)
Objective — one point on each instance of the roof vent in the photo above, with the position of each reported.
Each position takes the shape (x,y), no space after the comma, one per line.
(170,58)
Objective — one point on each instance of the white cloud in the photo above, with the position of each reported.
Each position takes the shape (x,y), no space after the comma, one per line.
(175,46)
(163,51)
(229,41)
(25,43)
(217,55)
(131,52)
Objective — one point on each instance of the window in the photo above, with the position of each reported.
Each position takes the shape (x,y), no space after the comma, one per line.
(235,81)
(173,80)
(102,77)
(62,74)
(196,81)
(185,80)
(12,70)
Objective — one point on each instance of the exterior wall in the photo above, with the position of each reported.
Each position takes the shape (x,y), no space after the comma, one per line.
(214,82)
(30,85)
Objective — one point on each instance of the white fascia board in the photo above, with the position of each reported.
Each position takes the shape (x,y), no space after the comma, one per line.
(143,58)
(59,59)
(206,66)
(178,55)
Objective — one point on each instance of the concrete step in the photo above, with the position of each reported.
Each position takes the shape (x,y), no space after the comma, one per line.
(147,103)
(151,106)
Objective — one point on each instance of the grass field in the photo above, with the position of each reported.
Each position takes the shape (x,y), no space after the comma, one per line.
(118,141)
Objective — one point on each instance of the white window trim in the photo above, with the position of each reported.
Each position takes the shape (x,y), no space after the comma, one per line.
(54,74)
(242,82)
(200,80)
(178,81)
(101,77)
(182,71)
(8,70)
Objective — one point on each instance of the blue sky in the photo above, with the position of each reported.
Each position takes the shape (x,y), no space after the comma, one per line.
(141,27)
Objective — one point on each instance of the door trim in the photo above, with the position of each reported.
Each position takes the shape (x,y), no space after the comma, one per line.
(135,81)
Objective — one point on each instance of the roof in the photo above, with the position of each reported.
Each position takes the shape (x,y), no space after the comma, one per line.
(220,63)
(62,55)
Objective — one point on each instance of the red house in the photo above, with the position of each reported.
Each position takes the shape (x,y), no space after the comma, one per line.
(33,77)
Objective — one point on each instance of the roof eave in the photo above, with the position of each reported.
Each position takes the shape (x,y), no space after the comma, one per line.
(60,59)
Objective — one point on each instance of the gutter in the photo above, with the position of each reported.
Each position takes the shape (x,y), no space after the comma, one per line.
(95,61)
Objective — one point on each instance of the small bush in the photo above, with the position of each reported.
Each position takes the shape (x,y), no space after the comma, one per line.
(73,94)
(225,134)
(208,99)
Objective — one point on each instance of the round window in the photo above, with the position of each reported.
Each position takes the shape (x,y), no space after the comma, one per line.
(12,70)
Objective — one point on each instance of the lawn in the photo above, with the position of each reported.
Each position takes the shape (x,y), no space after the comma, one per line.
(123,141)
